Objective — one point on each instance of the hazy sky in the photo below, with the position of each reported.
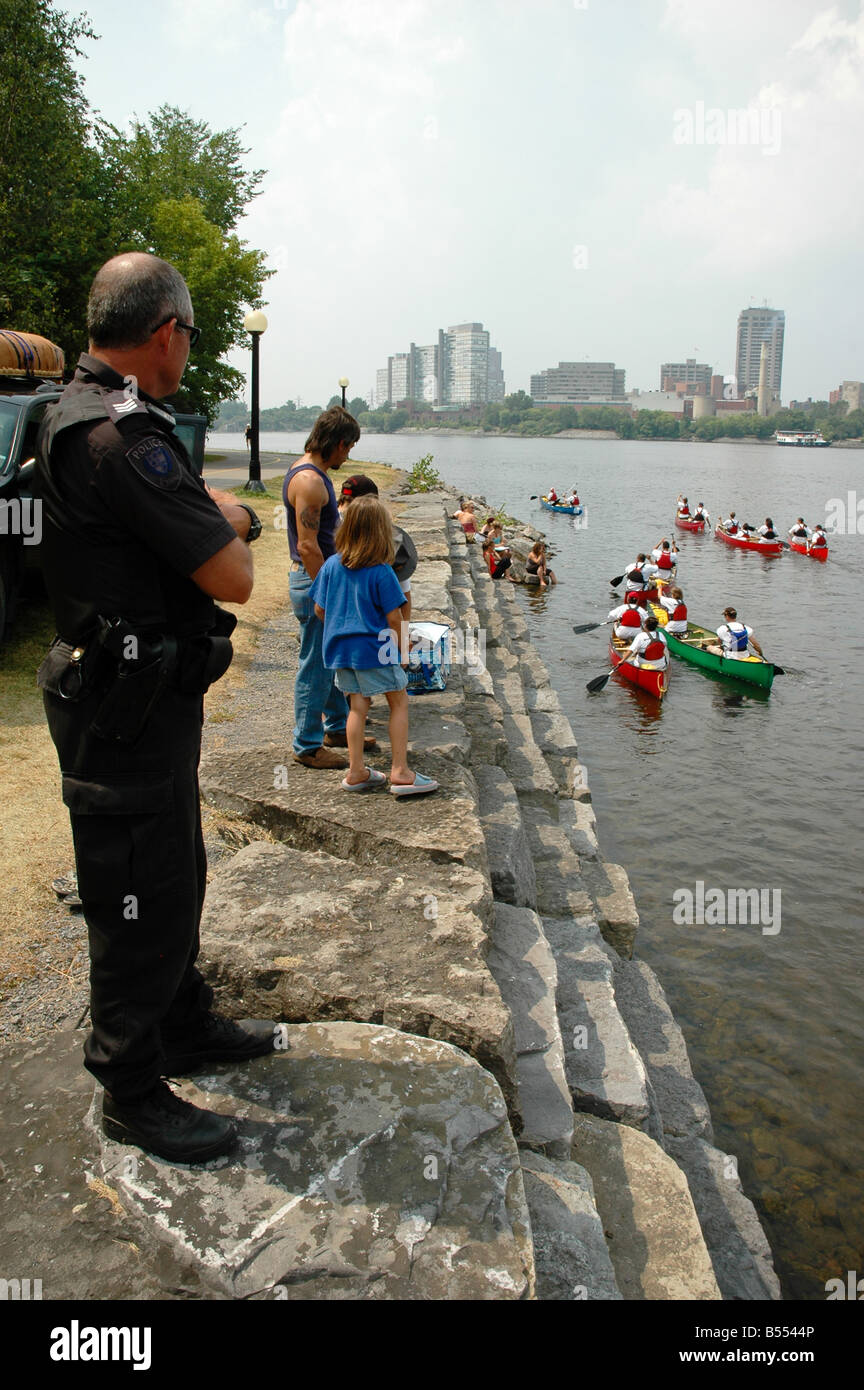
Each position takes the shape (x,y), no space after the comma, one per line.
(551,167)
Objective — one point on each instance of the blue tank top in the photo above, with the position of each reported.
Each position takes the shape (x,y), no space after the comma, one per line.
(329,514)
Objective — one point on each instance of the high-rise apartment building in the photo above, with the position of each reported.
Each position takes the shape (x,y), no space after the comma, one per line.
(460,369)
(755,327)
(495,378)
(578,381)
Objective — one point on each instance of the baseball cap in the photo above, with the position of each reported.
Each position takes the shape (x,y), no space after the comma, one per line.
(358,485)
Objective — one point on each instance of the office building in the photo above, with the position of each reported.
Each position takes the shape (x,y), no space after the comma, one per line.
(691,378)
(755,327)
(852,392)
(578,381)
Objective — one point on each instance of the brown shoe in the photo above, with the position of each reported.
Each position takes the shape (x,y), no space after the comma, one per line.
(340,740)
(322,758)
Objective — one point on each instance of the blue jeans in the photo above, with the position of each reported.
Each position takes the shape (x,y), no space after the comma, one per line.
(315,692)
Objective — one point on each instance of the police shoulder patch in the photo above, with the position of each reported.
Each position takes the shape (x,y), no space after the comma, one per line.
(153,461)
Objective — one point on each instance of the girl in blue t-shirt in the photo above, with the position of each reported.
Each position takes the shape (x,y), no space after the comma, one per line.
(359,600)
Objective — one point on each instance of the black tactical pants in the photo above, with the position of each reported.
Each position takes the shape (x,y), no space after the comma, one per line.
(136,825)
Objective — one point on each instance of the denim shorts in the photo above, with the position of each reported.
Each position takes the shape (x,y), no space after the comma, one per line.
(375,681)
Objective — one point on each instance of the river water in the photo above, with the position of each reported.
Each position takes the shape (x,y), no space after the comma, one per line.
(725,786)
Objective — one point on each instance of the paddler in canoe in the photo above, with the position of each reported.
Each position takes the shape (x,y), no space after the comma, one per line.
(766,531)
(730,525)
(665,557)
(735,638)
(818,538)
(683,507)
(800,532)
(627,618)
(639,577)
(649,647)
(700,514)
(673,602)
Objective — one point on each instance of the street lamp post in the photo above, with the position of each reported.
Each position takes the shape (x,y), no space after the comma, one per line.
(344,383)
(255,323)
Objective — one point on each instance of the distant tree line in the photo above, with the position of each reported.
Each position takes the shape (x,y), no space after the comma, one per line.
(77,191)
(517,414)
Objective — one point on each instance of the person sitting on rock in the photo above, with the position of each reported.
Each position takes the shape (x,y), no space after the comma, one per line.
(467,520)
(498,558)
(537,563)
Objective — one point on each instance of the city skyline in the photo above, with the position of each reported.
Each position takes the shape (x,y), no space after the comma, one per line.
(613,212)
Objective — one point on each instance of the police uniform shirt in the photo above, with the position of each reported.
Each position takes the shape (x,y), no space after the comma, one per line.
(128,519)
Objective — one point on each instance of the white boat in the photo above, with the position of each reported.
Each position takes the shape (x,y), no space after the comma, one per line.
(812,439)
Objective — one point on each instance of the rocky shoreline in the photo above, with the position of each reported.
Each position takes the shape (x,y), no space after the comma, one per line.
(478,1092)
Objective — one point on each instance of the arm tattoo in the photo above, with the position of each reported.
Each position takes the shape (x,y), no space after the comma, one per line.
(310,517)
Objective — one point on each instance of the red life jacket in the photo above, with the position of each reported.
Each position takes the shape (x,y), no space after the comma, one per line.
(679,613)
(632,618)
(655,650)
(665,561)
(684,511)
(732,528)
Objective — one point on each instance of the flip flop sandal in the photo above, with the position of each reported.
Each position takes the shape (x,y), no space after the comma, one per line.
(418,787)
(61,886)
(375,779)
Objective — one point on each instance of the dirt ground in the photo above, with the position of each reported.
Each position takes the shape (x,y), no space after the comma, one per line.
(43,946)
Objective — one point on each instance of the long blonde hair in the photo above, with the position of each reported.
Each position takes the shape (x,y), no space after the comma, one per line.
(365,536)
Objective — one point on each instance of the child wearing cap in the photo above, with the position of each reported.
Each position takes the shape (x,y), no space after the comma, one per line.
(405,560)
(359,600)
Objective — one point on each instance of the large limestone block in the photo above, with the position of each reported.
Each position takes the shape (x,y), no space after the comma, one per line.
(605,1073)
(738,1246)
(652,1230)
(510,864)
(683,1108)
(524,968)
(372,1165)
(301,936)
(526,765)
(434,731)
(570,1249)
(430,587)
(616,909)
(579,824)
(309,809)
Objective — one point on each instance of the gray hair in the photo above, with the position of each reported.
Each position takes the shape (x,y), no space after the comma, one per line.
(130,296)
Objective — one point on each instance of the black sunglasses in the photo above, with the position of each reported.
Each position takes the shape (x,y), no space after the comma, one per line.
(194,333)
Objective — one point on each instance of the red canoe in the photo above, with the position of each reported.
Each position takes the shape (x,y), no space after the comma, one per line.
(818,552)
(650,678)
(764,547)
(687,523)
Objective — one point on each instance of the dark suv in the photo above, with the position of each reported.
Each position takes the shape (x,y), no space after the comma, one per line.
(21,414)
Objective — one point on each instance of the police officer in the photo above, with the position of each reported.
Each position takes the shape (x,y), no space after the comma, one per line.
(135,551)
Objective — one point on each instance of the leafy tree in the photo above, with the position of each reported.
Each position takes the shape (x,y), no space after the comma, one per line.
(518,400)
(357,406)
(171,157)
(222,275)
(179,191)
(54,231)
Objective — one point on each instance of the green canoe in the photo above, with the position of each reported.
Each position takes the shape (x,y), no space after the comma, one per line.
(692,648)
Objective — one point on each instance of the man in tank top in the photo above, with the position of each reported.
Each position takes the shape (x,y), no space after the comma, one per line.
(320,709)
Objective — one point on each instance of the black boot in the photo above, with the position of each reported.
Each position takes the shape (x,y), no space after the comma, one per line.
(164,1124)
(217,1039)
